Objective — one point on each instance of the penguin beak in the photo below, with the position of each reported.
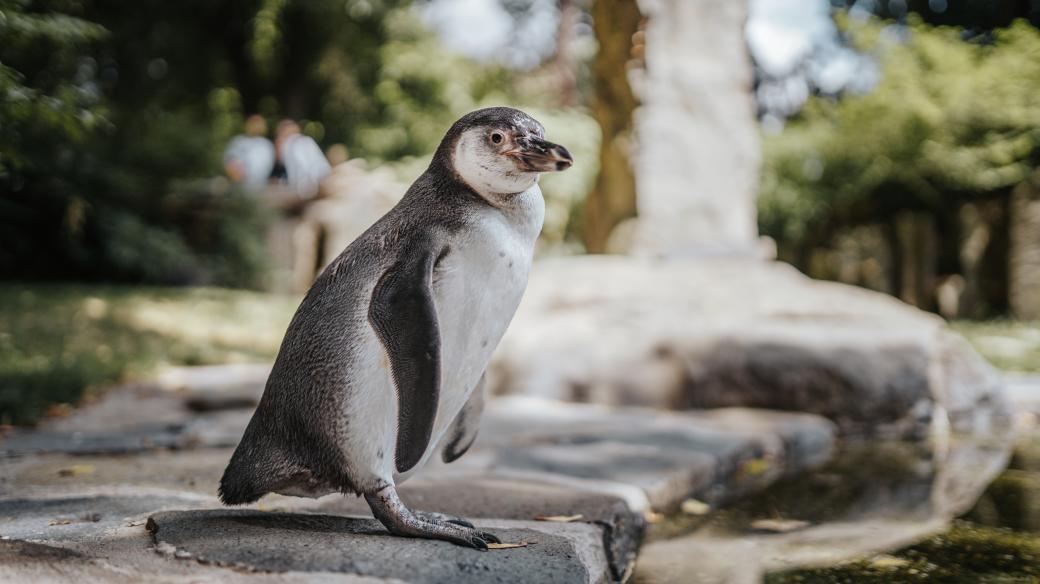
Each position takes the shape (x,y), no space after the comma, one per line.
(538,155)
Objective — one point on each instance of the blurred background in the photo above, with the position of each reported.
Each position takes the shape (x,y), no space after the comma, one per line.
(173,175)
(897,138)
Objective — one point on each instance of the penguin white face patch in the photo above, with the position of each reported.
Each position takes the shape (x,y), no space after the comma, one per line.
(480,162)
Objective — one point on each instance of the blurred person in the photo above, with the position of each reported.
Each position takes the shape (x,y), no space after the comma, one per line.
(337,154)
(303,163)
(250,157)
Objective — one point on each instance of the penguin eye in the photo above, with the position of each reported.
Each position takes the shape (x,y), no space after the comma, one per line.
(497,137)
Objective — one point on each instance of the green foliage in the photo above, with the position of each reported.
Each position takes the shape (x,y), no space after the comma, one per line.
(114,115)
(43,110)
(58,341)
(108,109)
(421,90)
(952,120)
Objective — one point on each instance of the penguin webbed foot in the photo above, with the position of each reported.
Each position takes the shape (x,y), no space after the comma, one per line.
(399,520)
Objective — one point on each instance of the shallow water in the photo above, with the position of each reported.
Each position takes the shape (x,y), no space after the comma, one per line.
(882,512)
(996,541)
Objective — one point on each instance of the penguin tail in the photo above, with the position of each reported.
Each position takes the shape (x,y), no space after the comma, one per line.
(238,492)
(238,488)
(246,479)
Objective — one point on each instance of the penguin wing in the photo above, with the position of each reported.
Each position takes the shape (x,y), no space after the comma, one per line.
(405,320)
(463,430)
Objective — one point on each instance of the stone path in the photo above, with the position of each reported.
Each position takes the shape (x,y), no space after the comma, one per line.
(124,490)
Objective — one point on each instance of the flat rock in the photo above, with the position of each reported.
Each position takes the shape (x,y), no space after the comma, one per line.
(23,561)
(125,419)
(129,420)
(710,455)
(602,466)
(707,333)
(280,542)
(183,407)
(76,518)
(499,496)
(217,387)
(112,441)
(195,471)
(1023,391)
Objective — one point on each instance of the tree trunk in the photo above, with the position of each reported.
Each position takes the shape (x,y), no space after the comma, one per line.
(613,198)
(564,63)
(1024,256)
(984,252)
(918,259)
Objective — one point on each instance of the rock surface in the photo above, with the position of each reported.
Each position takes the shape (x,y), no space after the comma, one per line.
(600,468)
(279,542)
(711,333)
(669,457)
(517,497)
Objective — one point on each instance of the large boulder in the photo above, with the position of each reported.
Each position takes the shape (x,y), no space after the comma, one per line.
(726,332)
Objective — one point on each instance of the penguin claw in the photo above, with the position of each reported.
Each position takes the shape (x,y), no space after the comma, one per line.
(489,537)
(398,520)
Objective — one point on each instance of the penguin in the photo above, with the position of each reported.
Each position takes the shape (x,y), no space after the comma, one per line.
(383,364)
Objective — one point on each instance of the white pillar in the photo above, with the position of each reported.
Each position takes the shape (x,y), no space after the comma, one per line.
(698,154)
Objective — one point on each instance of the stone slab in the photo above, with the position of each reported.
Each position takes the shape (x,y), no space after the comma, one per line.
(75,518)
(125,419)
(195,471)
(217,387)
(491,496)
(87,432)
(102,538)
(183,407)
(23,561)
(714,455)
(1023,391)
(115,441)
(280,542)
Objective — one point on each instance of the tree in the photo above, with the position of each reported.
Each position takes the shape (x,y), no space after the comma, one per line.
(112,115)
(952,122)
(613,198)
(50,107)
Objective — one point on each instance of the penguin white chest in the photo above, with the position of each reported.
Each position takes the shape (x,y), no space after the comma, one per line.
(477,289)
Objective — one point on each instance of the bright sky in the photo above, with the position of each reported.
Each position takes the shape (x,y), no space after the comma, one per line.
(484,30)
(794,43)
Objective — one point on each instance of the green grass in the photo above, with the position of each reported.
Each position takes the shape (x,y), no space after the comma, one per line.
(59,343)
(1007,344)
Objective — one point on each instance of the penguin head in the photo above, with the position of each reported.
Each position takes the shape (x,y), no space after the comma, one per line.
(500,151)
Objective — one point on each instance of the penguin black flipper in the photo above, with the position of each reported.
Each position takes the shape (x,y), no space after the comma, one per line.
(404,317)
(464,428)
